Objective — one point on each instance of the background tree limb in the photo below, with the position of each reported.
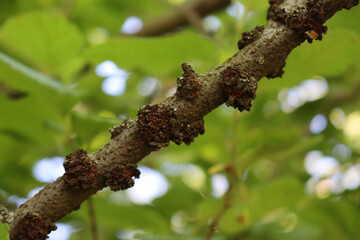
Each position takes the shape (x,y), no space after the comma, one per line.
(187,14)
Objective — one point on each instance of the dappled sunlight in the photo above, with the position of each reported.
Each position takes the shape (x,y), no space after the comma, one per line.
(352,130)
(49,169)
(236,10)
(63,232)
(337,118)
(98,35)
(16,200)
(180,222)
(211,24)
(341,151)
(323,188)
(327,176)
(109,68)
(151,185)
(219,185)
(132,25)
(307,91)
(351,179)
(315,89)
(34,191)
(147,86)
(114,86)
(115,78)
(318,124)
(194,177)
(319,166)
(173,169)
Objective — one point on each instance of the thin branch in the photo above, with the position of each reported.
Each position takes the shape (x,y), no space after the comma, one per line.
(181,18)
(228,195)
(178,118)
(94,231)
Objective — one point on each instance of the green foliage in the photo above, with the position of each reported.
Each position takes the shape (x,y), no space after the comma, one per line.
(52,102)
(4,231)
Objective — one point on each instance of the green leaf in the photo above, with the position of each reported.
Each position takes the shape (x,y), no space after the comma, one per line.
(87,126)
(43,40)
(4,231)
(112,217)
(157,55)
(329,57)
(32,74)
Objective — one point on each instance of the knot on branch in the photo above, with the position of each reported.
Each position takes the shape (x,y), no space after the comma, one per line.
(155,122)
(188,70)
(80,170)
(158,125)
(189,84)
(33,227)
(240,90)
(116,130)
(188,87)
(306,21)
(250,36)
(187,132)
(122,177)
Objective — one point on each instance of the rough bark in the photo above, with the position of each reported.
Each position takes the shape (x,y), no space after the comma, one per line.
(263,52)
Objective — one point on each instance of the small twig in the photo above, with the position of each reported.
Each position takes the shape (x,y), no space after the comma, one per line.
(94,231)
(226,205)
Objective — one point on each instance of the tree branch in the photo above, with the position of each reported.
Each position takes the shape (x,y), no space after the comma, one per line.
(178,118)
(181,18)
(228,195)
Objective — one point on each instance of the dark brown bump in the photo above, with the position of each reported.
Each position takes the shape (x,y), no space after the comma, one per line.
(188,87)
(250,36)
(33,227)
(154,122)
(239,88)
(122,177)
(187,132)
(306,21)
(80,170)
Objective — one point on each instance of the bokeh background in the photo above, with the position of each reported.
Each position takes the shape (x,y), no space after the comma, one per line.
(288,169)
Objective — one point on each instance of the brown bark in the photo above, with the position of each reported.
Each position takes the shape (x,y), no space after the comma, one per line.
(179,118)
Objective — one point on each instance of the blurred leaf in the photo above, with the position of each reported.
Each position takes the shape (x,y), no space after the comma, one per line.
(111,15)
(322,57)
(156,55)
(87,126)
(43,40)
(4,231)
(33,75)
(114,217)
